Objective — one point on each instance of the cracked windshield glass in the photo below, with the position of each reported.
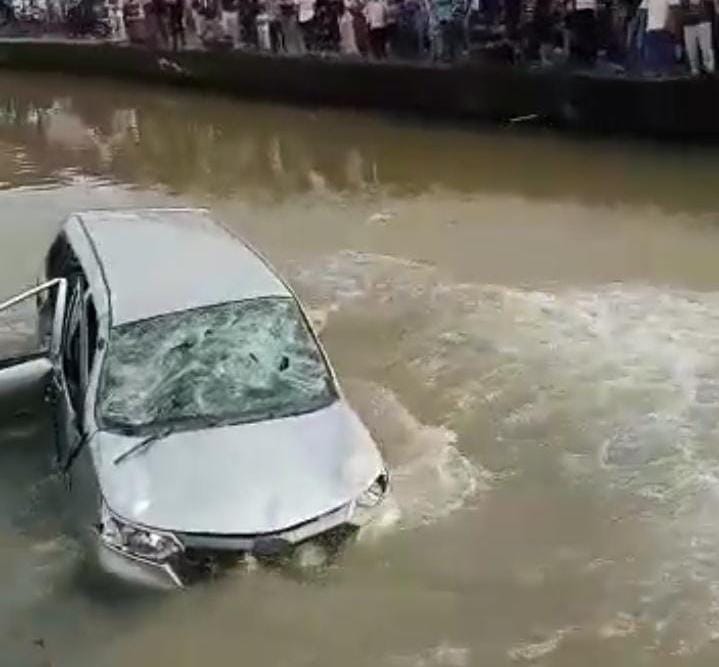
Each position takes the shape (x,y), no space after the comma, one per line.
(244,361)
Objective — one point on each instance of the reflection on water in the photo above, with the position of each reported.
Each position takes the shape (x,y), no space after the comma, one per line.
(528,325)
(131,135)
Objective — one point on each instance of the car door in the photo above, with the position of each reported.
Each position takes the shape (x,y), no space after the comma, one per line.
(76,464)
(70,379)
(29,360)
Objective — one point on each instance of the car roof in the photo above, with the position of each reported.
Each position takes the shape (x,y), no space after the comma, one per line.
(159,261)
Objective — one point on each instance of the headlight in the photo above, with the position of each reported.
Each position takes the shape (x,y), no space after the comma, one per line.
(375,493)
(136,540)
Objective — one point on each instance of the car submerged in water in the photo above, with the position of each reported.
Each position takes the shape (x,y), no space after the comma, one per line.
(195,414)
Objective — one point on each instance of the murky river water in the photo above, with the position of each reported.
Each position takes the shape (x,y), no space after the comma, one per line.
(529,325)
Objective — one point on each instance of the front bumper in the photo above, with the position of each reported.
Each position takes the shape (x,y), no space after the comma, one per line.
(205,555)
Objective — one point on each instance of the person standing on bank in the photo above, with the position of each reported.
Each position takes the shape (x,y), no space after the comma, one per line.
(306,18)
(230,26)
(327,34)
(376,15)
(636,32)
(348,37)
(695,16)
(156,27)
(134,21)
(541,32)
(583,28)
(451,15)
(177,23)
(247,12)
(356,8)
(274,14)
(291,37)
(391,30)
(659,38)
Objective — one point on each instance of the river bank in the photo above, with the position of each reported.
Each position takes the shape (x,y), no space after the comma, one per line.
(677,107)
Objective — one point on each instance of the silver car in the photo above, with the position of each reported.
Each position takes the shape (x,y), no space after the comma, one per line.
(196,416)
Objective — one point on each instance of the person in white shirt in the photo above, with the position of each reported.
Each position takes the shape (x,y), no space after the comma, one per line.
(306,18)
(376,15)
(229,21)
(348,38)
(659,39)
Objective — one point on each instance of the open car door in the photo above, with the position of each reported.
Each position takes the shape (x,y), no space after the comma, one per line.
(31,326)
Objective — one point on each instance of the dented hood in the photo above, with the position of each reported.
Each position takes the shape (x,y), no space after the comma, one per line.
(244,479)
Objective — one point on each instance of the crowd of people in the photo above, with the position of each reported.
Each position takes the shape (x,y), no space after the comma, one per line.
(654,36)
(658,36)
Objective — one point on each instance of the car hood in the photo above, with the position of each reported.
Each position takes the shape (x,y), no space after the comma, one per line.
(243,479)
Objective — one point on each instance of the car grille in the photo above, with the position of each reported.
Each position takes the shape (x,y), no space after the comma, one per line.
(197,562)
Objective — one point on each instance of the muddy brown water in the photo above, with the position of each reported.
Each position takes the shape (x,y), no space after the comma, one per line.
(528,323)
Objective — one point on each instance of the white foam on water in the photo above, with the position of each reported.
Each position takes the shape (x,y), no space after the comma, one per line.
(627,374)
(619,383)
(443,655)
(536,650)
(622,625)
(430,476)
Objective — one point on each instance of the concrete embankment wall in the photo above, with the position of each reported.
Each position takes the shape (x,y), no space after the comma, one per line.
(677,108)
(490,93)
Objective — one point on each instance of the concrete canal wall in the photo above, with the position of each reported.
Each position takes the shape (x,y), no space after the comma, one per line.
(676,108)
(482,92)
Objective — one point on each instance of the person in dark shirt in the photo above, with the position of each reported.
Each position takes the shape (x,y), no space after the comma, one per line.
(7,11)
(177,23)
(451,15)
(540,32)
(327,25)
(512,18)
(583,29)
(159,11)
(248,11)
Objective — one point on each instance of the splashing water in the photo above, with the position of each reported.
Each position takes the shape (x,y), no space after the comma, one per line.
(623,377)
(430,476)
(612,390)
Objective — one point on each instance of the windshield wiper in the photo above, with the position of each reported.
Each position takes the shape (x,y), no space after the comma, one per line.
(144,444)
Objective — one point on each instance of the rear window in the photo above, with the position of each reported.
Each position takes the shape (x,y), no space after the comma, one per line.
(238,362)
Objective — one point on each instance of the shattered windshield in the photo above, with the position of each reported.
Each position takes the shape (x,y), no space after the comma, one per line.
(236,362)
